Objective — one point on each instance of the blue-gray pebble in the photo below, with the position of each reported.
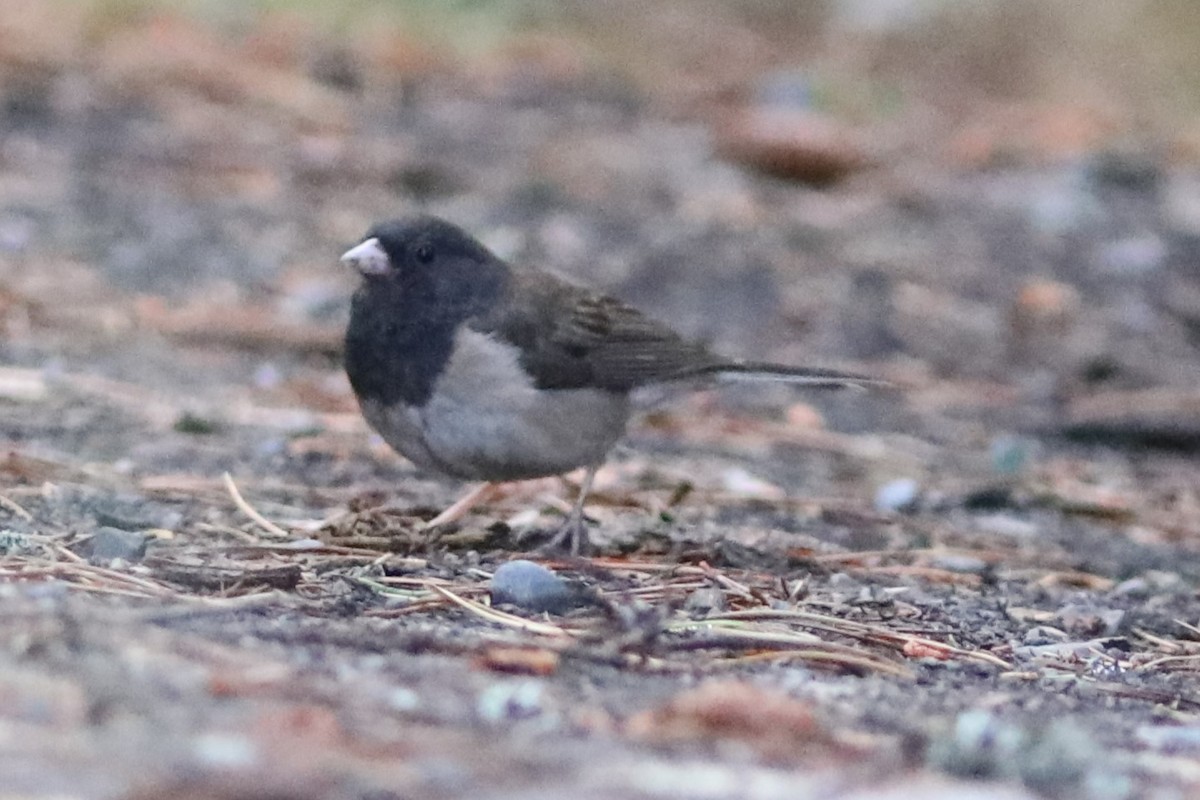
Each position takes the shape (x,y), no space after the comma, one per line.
(901,494)
(532,587)
(109,543)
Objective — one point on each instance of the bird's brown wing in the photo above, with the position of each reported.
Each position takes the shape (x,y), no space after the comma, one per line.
(572,338)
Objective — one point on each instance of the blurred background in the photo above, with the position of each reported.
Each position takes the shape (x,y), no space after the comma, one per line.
(999,198)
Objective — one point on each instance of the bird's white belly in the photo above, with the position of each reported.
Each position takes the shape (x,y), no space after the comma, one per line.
(486,420)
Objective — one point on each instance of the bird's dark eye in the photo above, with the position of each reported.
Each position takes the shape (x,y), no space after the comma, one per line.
(424,253)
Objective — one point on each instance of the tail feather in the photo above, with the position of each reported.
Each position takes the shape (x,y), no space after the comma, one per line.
(808,377)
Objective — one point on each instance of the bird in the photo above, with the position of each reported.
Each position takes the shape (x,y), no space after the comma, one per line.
(482,370)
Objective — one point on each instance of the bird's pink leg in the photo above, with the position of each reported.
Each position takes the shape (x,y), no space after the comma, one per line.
(463,505)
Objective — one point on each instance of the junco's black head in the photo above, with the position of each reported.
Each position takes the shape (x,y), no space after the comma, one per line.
(423,279)
(416,248)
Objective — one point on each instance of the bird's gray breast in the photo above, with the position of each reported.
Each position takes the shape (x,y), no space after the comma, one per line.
(485,420)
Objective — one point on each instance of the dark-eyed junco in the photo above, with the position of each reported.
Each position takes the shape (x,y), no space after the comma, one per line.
(486,371)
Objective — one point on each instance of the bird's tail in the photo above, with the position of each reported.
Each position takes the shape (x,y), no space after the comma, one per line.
(808,377)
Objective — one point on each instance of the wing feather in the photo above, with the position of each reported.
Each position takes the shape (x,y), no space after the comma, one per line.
(573,338)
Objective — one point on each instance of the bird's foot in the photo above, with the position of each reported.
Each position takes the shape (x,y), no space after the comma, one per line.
(571,538)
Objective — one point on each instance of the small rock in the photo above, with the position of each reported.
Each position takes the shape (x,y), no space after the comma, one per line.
(793,143)
(532,587)
(703,602)
(267,375)
(990,498)
(741,482)
(1062,651)
(1010,455)
(979,746)
(1133,256)
(16,232)
(1042,635)
(960,563)
(1062,205)
(1150,582)
(226,750)
(196,424)
(338,68)
(804,416)
(842,581)
(110,543)
(402,699)
(1040,319)
(1050,760)
(1057,758)
(1007,526)
(897,495)
(13,543)
(1133,169)
(1090,621)
(506,702)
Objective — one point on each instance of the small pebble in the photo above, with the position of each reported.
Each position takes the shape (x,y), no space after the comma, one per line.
(741,482)
(110,543)
(267,376)
(16,232)
(989,498)
(1006,525)
(1011,454)
(960,563)
(1133,169)
(532,587)
(898,495)
(1057,758)
(508,701)
(1087,620)
(1133,256)
(1063,205)
(196,424)
(225,750)
(13,543)
(403,699)
(1062,651)
(843,581)
(703,602)
(1151,582)
(979,746)
(1042,635)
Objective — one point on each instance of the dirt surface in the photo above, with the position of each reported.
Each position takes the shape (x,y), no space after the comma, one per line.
(980,583)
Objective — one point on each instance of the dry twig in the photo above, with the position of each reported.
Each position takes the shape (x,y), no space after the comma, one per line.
(249,511)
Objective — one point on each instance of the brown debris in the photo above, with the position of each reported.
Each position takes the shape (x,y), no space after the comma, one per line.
(198,576)
(803,146)
(1163,417)
(778,727)
(519,660)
